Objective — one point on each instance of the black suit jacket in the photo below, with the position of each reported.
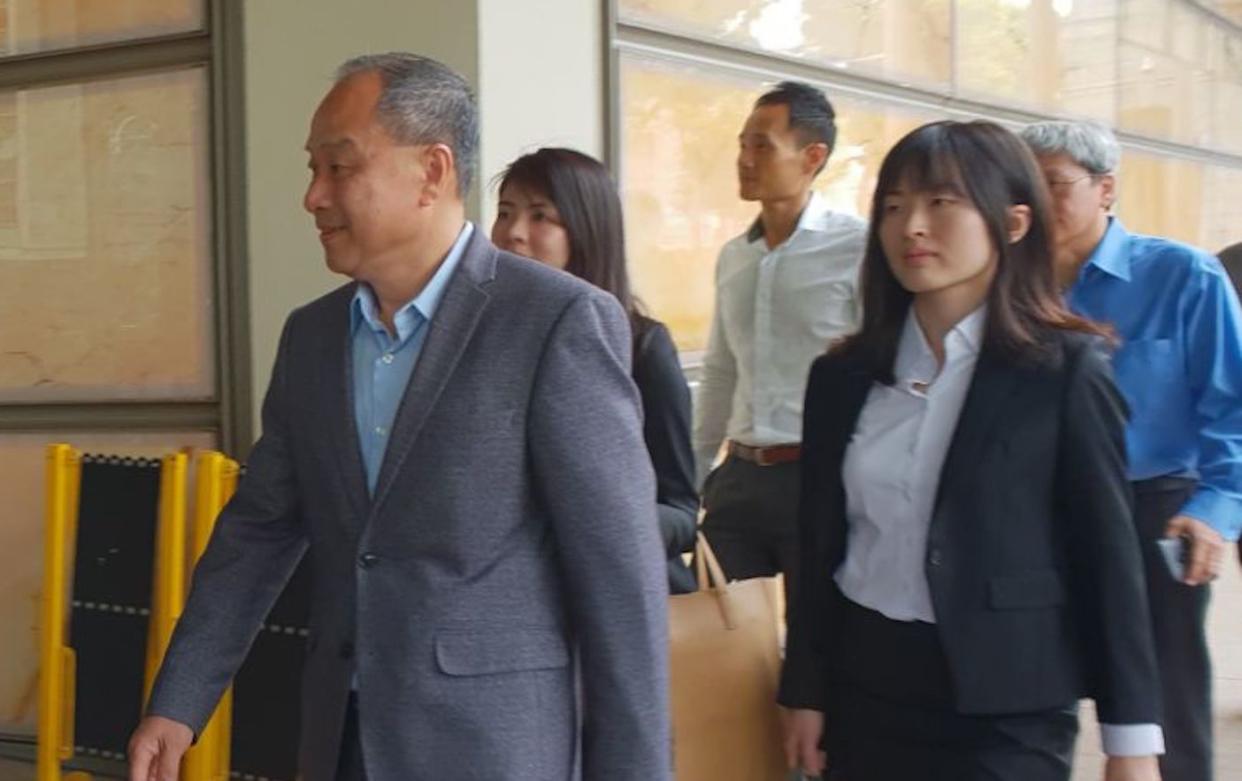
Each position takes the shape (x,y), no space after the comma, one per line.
(666,431)
(1033,560)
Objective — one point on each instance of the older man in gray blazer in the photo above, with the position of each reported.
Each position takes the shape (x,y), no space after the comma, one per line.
(454,440)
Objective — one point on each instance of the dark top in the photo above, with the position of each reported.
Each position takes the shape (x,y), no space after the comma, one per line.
(1033,560)
(1231,257)
(666,430)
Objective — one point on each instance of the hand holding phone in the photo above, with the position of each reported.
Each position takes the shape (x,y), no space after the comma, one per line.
(1174,551)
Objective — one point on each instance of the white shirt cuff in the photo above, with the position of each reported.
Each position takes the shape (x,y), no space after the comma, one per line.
(1132,740)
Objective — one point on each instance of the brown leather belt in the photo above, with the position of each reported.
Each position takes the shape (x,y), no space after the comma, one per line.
(766,456)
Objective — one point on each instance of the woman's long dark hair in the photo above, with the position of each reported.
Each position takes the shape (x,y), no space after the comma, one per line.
(590,209)
(994,169)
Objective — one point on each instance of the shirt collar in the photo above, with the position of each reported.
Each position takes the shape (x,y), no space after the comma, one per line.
(915,360)
(1111,255)
(422,308)
(811,218)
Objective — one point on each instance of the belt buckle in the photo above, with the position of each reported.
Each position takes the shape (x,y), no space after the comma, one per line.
(761,457)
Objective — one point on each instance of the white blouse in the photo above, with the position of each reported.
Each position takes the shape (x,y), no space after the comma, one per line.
(892,469)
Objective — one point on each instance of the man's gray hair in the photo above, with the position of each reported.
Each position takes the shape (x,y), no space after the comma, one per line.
(424,102)
(1090,144)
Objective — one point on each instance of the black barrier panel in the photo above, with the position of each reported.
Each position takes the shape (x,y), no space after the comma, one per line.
(115,553)
(267,690)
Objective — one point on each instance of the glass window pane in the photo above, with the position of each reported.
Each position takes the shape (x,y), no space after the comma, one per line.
(105,254)
(1227,100)
(42,25)
(908,40)
(1162,196)
(1050,54)
(21,550)
(1165,58)
(679,186)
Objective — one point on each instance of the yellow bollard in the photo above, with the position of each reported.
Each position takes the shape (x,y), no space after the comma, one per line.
(216,480)
(57,669)
(168,586)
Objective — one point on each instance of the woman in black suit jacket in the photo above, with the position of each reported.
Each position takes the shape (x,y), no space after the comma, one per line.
(969,564)
(560,207)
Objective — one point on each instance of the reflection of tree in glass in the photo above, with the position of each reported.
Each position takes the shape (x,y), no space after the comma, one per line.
(905,38)
(679,186)
(994,46)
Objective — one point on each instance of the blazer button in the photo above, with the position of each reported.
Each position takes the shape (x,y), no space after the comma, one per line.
(347,650)
(368,560)
(934,557)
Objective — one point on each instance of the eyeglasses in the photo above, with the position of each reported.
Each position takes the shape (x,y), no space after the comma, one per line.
(1061,185)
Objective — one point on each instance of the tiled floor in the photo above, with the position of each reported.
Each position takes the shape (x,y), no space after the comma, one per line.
(1226,631)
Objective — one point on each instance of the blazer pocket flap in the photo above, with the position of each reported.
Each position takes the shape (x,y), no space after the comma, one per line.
(488,653)
(1038,589)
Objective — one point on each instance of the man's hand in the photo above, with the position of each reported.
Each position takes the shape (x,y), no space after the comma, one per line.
(156,748)
(1132,769)
(803,730)
(1205,548)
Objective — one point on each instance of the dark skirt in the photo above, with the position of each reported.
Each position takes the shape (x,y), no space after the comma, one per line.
(890,714)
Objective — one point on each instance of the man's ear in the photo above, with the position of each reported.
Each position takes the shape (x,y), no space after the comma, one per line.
(814,156)
(1108,191)
(439,173)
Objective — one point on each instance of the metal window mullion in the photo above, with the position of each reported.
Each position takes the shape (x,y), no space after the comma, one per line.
(110,416)
(106,61)
(229,236)
(612,90)
(954,42)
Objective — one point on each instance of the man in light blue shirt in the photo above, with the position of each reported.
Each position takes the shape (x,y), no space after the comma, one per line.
(454,440)
(1179,365)
(383,359)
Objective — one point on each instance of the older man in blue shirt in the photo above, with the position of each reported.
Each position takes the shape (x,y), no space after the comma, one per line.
(1180,367)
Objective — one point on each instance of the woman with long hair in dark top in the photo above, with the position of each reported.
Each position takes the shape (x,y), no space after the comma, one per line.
(970,567)
(560,207)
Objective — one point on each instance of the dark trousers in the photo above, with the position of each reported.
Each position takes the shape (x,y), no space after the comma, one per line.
(890,714)
(752,520)
(350,766)
(1179,616)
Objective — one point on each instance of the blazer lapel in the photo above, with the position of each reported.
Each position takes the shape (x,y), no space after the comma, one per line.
(856,383)
(851,393)
(339,388)
(994,382)
(448,335)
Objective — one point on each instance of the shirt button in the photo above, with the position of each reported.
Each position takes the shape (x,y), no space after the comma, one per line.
(934,557)
(368,560)
(381,430)
(387,358)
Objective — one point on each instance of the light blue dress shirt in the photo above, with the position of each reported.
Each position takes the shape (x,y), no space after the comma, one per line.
(1179,364)
(383,363)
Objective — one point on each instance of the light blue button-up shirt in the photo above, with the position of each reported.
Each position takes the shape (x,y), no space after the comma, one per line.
(383,363)
(1179,364)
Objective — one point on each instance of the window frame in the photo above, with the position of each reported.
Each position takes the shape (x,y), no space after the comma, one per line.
(216,47)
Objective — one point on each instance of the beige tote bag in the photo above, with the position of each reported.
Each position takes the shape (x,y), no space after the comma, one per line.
(724,664)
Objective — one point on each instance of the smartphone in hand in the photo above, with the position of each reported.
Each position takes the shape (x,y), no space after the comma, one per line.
(1174,551)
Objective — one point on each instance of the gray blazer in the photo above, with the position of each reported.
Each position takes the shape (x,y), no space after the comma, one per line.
(501,599)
